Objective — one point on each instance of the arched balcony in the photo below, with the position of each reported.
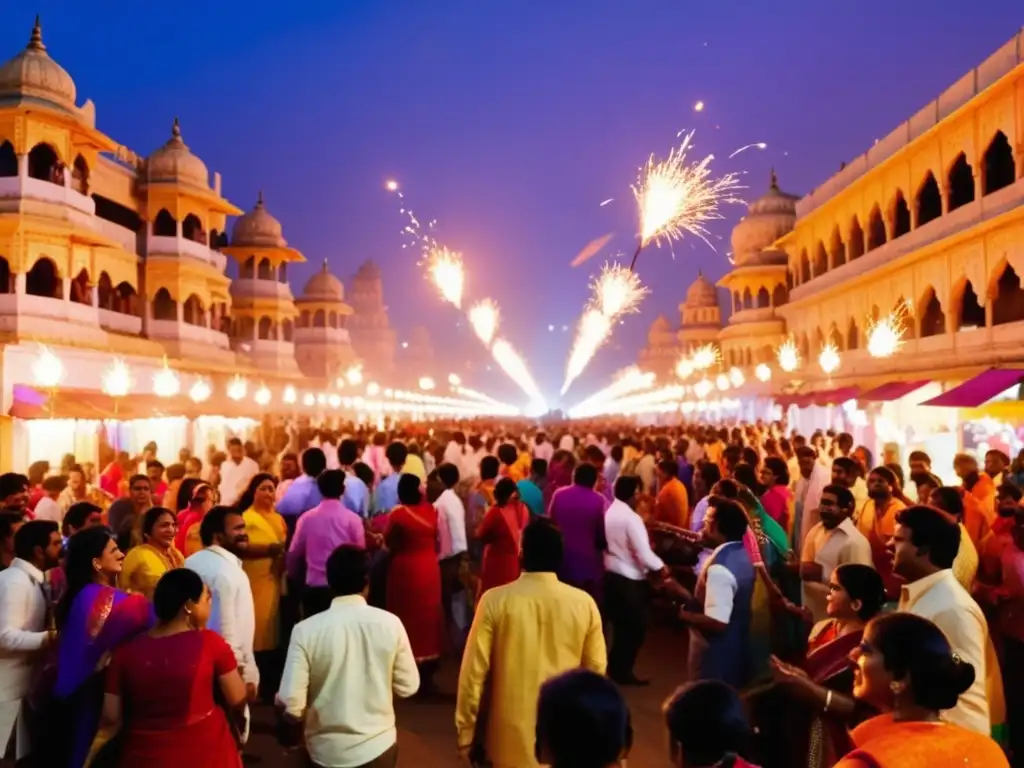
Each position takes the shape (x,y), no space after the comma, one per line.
(44,165)
(960,182)
(998,169)
(929,201)
(8,160)
(933,319)
(971,314)
(44,280)
(1008,304)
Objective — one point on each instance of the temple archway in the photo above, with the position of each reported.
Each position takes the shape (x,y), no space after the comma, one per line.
(837,249)
(245,271)
(971,314)
(763,300)
(193,312)
(320,319)
(1008,305)
(8,160)
(164,307)
(287,331)
(780,295)
(855,248)
(748,300)
(929,201)
(265,329)
(933,319)
(900,216)
(43,280)
(997,162)
(80,290)
(805,268)
(126,300)
(192,229)
(876,229)
(80,175)
(165,225)
(820,260)
(961,183)
(265,271)
(42,163)
(852,335)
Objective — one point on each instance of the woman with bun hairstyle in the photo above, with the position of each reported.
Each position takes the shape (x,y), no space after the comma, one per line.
(804,718)
(906,670)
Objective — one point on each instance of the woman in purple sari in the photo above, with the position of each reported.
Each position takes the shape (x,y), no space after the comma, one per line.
(93,618)
(560,470)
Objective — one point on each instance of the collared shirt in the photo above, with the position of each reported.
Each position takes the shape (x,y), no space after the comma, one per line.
(232,612)
(344,667)
(357,495)
(49,509)
(234,478)
(629,547)
(22,634)
(451,524)
(318,533)
(831,548)
(720,587)
(544,450)
(940,599)
(386,497)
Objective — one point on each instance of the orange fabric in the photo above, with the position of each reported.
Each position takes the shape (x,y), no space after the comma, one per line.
(984,492)
(878,528)
(672,506)
(976,521)
(881,742)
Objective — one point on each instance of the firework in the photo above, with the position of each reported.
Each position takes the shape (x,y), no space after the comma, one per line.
(885,336)
(626,382)
(447,273)
(484,316)
(593,330)
(512,363)
(788,356)
(677,196)
(617,291)
(705,356)
(684,368)
(828,358)
(763,372)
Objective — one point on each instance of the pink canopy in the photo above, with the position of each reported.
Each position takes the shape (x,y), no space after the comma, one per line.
(979,390)
(892,390)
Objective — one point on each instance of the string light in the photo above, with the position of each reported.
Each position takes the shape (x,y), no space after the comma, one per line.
(722,382)
(166,382)
(763,372)
(289,395)
(47,370)
(262,396)
(703,388)
(237,388)
(736,377)
(705,356)
(828,358)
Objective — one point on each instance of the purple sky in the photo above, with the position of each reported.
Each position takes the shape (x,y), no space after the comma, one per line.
(508,121)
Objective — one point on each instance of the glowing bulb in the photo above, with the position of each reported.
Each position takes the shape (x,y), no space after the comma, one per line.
(736,377)
(454,380)
(47,370)
(684,369)
(200,391)
(763,372)
(289,395)
(262,396)
(166,382)
(117,379)
(321,399)
(703,388)
(722,382)
(705,356)
(308,400)
(426,383)
(828,358)
(372,388)
(789,356)
(237,388)
(354,375)
(391,185)
(334,401)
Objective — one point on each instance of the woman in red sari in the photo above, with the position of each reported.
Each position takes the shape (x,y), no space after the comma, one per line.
(160,686)
(200,500)
(804,719)
(500,532)
(414,575)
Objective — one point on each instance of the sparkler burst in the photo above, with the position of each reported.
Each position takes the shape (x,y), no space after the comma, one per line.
(447,273)
(677,195)
(885,335)
(828,358)
(705,356)
(512,363)
(789,356)
(617,291)
(484,316)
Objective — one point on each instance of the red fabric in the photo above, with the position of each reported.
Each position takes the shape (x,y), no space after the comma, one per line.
(34,495)
(186,520)
(414,577)
(166,687)
(500,531)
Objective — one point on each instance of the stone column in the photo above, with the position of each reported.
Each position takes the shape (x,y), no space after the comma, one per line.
(20,283)
(95,290)
(23,166)
(180,307)
(66,288)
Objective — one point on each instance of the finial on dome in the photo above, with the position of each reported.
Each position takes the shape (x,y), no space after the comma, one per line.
(775,181)
(700,273)
(35,42)
(259,199)
(324,268)
(176,129)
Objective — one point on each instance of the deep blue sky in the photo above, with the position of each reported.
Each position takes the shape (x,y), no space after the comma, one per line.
(508,121)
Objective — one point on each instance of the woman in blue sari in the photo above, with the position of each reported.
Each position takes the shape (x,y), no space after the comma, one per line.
(93,619)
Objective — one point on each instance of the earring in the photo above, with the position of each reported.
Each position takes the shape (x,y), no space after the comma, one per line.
(188,611)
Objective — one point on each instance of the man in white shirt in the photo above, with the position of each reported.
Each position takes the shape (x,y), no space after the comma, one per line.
(452,554)
(232,614)
(923,548)
(48,508)
(627,561)
(543,449)
(830,543)
(344,667)
(24,624)
(235,473)
(811,479)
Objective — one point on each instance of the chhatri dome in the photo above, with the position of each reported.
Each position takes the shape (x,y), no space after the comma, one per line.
(34,77)
(174,162)
(702,293)
(768,218)
(660,333)
(323,286)
(368,272)
(258,228)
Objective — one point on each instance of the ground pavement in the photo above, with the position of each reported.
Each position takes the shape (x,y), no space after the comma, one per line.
(426,731)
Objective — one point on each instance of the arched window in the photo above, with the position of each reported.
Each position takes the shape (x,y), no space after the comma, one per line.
(855,248)
(81,290)
(837,249)
(900,216)
(6,281)
(876,229)
(332,319)
(192,229)
(933,319)
(282,273)
(193,312)
(780,295)
(820,260)
(819,340)
(929,201)
(286,330)
(972,314)
(852,335)
(245,328)
(164,307)
(245,271)
(805,347)
(961,183)
(43,163)
(105,292)
(763,299)
(1008,306)
(80,175)
(8,160)
(126,301)
(998,165)
(789,279)
(43,280)
(805,268)
(304,319)
(164,225)
(737,302)
(264,270)
(748,300)
(265,330)
(836,338)
(320,319)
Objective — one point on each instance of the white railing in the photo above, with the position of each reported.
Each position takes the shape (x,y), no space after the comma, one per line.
(181,331)
(121,323)
(37,189)
(122,235)
(322,335)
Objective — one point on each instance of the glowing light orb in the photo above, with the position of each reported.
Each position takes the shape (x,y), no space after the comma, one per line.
(354,375)
(763,372)
(703,388)
(289,395)
(47,370)
(828,358)
(237,388)
(372,389)
(485,316)
(391,185)
(788,356)
(736,377)
(722,382)
(262,396)
(117,379)
(426,383)
(617,291)
(684,368)
(200,391)
(698,107)
(454,380)
(308,399)
(166,382)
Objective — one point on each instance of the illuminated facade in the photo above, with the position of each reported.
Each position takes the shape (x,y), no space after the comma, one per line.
(373,338)
(700,323)
(322,344)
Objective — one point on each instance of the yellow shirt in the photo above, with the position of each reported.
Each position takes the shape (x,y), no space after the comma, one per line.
(414,466)
(144,565)
(965,565)
(523,634)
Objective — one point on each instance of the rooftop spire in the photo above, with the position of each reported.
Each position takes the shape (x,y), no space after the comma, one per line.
(176,129)
(259,199)
(35,42)
(775,181)
(324,269)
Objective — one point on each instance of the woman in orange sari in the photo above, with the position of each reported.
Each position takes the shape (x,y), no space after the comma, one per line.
(499,532)
(414,575)
(906,669)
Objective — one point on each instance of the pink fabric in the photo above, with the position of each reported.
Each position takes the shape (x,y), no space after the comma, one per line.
(979,390)
(317,534)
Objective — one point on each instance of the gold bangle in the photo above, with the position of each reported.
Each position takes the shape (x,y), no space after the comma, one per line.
(828,701)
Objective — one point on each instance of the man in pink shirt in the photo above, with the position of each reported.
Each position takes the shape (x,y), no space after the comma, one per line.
(317,534)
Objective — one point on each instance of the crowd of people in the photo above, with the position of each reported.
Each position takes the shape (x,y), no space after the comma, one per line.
(835,611)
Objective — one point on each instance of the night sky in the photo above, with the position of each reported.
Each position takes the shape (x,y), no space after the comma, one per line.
(508,121)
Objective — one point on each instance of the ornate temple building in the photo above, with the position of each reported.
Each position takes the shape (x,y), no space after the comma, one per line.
(373,338)
(700,323)
(661,353)
(322,345)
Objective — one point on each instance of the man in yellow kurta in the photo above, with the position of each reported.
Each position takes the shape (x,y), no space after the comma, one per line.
(523,634)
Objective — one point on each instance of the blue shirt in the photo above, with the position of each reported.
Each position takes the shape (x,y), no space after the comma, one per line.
(303,494)
(532,496)
(387,494)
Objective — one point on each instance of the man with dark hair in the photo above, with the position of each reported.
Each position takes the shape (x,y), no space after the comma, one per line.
(962,509)
(48,508)
(481,498)
(671,506)
(720,622)
(386,497)
(996,464)
(707,725)
(219,564)
(508,455)
(847,472)
(452,554)
(302,495)
(80,516)
(919,462)
(877,522)
(357,495)
(923,547)
(344,667)
(578,511)
(582,720)
(10,521)
(14,491)
(830,543)
(318,533)
(627,563)
(523,634)
(844,442)
(155,473)
(531,489)
(236,472)
(23,624)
